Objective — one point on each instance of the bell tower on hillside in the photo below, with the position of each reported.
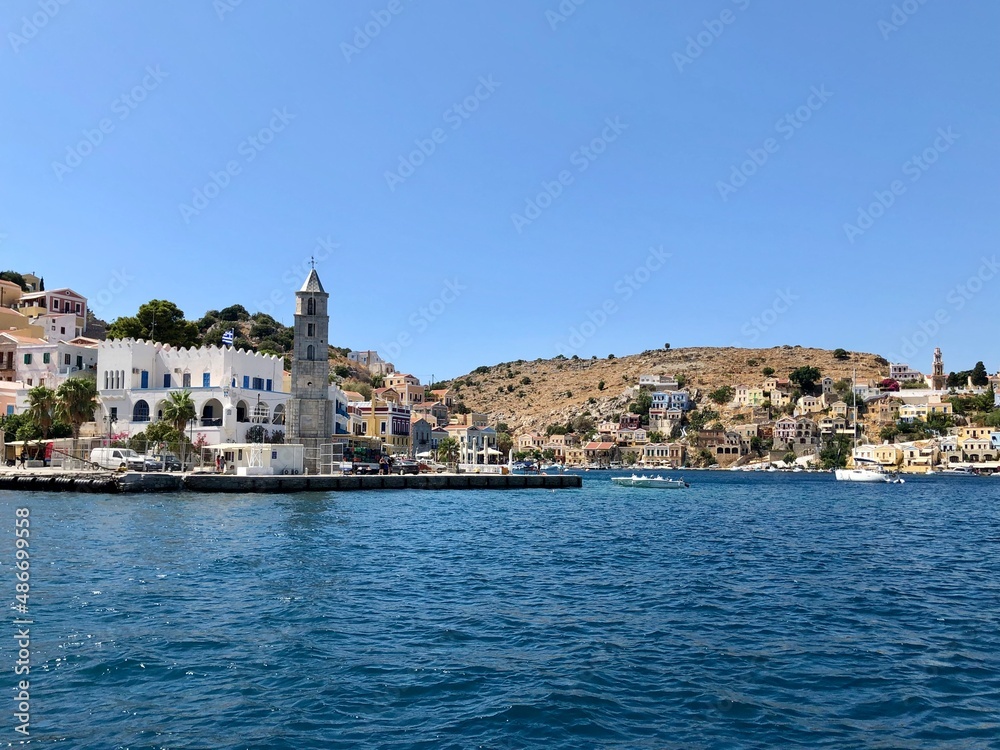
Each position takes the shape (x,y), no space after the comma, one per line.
(310,411)
(938,380)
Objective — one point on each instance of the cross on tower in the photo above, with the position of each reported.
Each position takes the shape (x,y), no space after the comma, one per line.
(312,261)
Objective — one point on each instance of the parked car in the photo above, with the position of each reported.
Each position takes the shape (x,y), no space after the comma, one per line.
(165,461)
(406,467)
(117,458)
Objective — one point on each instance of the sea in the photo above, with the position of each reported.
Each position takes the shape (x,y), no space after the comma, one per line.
(747,611)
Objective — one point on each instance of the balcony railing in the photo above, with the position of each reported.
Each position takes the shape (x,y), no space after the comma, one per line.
(211,423)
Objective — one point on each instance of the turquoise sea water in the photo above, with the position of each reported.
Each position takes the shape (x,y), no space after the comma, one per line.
(748,611)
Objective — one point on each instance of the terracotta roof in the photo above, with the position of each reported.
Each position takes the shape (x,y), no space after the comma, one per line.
(23,339)
(598,446)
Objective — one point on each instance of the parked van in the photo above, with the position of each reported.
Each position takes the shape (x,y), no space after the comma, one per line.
(117,458)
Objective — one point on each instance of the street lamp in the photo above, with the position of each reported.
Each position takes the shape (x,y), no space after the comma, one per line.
(110,419)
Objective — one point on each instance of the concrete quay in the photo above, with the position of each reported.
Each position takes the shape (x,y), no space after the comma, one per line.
(27,480)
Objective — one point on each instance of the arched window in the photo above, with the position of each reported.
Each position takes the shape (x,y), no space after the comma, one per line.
(140,412)
(261,413)
(279,414)
(311,306)
(310,352)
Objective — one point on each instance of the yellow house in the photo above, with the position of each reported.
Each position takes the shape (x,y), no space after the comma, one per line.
(10,293)
(888,455)
(16,322)
(936,406)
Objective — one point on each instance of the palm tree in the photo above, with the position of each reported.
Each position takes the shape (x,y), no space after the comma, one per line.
(178,411)
(77,400)
(448,450)
(42,408)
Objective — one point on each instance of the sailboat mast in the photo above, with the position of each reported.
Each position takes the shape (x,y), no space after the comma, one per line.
(854,390)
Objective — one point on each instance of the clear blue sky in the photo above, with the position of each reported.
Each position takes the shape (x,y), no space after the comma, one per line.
(764,262)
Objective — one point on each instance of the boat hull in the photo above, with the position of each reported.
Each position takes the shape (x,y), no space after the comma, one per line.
(656,483)
(860,475)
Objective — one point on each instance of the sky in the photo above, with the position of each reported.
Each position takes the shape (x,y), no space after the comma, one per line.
(483,182)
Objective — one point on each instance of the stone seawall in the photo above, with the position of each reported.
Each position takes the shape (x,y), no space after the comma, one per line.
(131,482)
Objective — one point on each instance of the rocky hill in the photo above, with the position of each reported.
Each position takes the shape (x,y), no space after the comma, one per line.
(532,395)
(260,332)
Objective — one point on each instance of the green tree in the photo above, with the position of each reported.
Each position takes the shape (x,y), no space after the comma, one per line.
(656,437)
(16,278)
(76,403)
(157,320)
(940,423)
(358,387)
(505,442)
(642,404)
(888,433)
(234,312)
(835,452)
(789,458)
(178,410)
(601,386)
(805,377)
(42,405)
(841,354)
(697,419)
(979,375)
(447,450)
(257,434)
(157,434)
(722,395)
(767,372)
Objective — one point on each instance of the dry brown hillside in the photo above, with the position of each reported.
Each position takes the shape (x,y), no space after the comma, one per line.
(558,390)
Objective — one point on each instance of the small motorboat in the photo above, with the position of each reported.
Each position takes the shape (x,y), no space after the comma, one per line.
(657,482)
(957,471)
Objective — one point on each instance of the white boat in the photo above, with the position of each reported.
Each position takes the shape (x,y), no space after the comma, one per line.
(657,482)
(957,471)
(865,469)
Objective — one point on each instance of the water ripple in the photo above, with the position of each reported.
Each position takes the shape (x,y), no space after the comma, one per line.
(777,611)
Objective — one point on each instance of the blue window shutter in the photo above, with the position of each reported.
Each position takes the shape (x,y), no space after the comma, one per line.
(269,384)
(206,380)
(166,380)
(246,381)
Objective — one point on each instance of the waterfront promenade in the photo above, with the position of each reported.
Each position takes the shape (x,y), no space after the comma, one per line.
(57,480)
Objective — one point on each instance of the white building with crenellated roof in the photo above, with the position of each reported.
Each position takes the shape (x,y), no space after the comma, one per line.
(232,389)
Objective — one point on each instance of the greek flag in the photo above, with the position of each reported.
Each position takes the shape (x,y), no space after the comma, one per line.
(228,337)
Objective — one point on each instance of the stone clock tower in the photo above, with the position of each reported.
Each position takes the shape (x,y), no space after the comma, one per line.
(310,411)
